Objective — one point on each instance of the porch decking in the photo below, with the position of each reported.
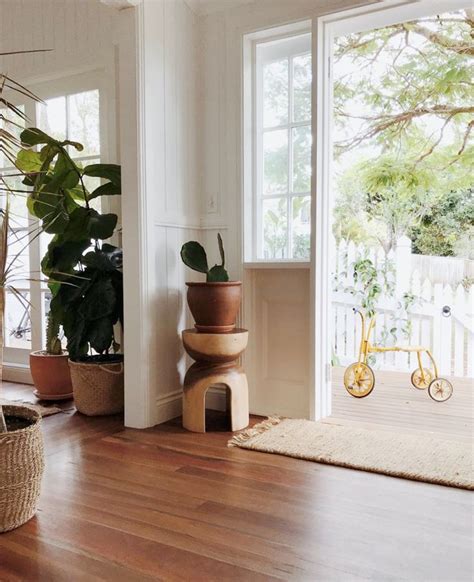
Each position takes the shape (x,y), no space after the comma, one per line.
(395,404)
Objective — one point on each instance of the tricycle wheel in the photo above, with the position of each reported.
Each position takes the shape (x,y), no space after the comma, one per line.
(359,379)
(440,389)
(417,378)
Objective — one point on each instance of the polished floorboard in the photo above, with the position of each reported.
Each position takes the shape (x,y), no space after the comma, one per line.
(164,504)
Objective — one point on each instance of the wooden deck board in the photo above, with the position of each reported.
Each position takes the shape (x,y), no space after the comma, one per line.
(395,404)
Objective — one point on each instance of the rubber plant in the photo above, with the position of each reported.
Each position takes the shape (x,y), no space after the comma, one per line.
(12,118)
(194,256)
(84,273)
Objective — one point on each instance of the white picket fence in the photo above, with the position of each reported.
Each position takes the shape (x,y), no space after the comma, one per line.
(450,338)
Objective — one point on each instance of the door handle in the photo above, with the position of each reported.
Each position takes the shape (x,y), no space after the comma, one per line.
(446,311)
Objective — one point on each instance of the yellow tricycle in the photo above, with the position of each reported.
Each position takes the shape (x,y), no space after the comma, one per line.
(359,378)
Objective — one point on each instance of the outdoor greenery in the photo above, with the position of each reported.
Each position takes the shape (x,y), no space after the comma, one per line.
(404,122)
(84,273)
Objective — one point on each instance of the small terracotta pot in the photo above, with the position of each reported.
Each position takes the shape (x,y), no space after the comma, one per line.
(215,305)
(51,376)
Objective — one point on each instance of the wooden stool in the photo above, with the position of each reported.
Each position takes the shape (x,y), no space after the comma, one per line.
(215,355)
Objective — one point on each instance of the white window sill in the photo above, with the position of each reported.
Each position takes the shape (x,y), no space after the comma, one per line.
(277,265)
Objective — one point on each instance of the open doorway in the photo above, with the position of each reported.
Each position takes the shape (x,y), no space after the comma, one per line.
(401,210)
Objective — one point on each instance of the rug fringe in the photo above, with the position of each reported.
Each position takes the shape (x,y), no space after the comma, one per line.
(255,430)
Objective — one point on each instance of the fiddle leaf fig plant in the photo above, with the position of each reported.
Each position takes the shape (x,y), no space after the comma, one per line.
(194,256)
(84,273)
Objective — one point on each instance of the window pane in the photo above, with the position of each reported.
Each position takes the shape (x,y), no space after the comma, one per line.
(275,93)
(302,88)
(52,117)
(301,227)
(18,258)
(275,162)
(17,200)
(84,121)
(275,228)
(17,321)
(13,124)
(302,159)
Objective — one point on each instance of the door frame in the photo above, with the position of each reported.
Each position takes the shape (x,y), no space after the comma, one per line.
(325,28)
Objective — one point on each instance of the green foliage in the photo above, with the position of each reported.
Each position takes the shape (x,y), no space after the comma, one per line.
(194,256)
(86,287)
(365,275)
(403,99)
(448,228)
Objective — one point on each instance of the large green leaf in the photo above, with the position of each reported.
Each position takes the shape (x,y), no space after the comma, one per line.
(63,255)
(194,256)
(217,274)
(101,334)
(101,300)
(33,136)
(102,226)
(28,161)
(110,172)
(57,220)
(108,189)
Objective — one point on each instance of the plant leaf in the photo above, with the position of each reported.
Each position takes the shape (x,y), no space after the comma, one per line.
(194,256)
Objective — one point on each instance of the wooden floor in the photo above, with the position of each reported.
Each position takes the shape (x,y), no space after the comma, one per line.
(395,404)
(164,504)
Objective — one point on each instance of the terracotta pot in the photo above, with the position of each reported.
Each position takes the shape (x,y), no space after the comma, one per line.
(215,305)
(51,376)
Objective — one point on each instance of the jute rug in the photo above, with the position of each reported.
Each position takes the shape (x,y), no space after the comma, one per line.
(43,410)
(417,457)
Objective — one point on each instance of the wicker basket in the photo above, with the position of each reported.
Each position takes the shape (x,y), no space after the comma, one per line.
(98,388)
(21,466)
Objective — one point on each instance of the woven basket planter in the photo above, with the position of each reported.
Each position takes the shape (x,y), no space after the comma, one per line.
(21,466)
(97,387)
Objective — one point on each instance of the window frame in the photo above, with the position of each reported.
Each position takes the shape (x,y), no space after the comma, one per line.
(254,130)
(64,86)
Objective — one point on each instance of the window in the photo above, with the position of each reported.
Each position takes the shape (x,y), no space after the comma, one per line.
(282,137)
(71,115)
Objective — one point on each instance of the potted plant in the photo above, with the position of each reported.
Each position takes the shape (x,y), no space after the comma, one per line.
(49,368)
(214,303)
(84,273)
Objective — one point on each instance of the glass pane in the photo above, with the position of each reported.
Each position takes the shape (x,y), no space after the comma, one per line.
(275,162)
(13,124)
(18,258)
(301,227)
(275,228)
(17,321)
(84,121)
(275,93)
(17,199)
(52,117)
(302,159)
(302,88)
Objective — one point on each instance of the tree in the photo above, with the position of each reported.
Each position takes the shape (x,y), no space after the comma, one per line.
(403,101)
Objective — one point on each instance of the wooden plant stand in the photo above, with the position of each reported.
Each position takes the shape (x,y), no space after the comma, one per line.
(216,356)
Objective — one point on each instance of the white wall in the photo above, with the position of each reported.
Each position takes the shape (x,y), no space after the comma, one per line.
(276,306)
(159,142)
(81,35)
